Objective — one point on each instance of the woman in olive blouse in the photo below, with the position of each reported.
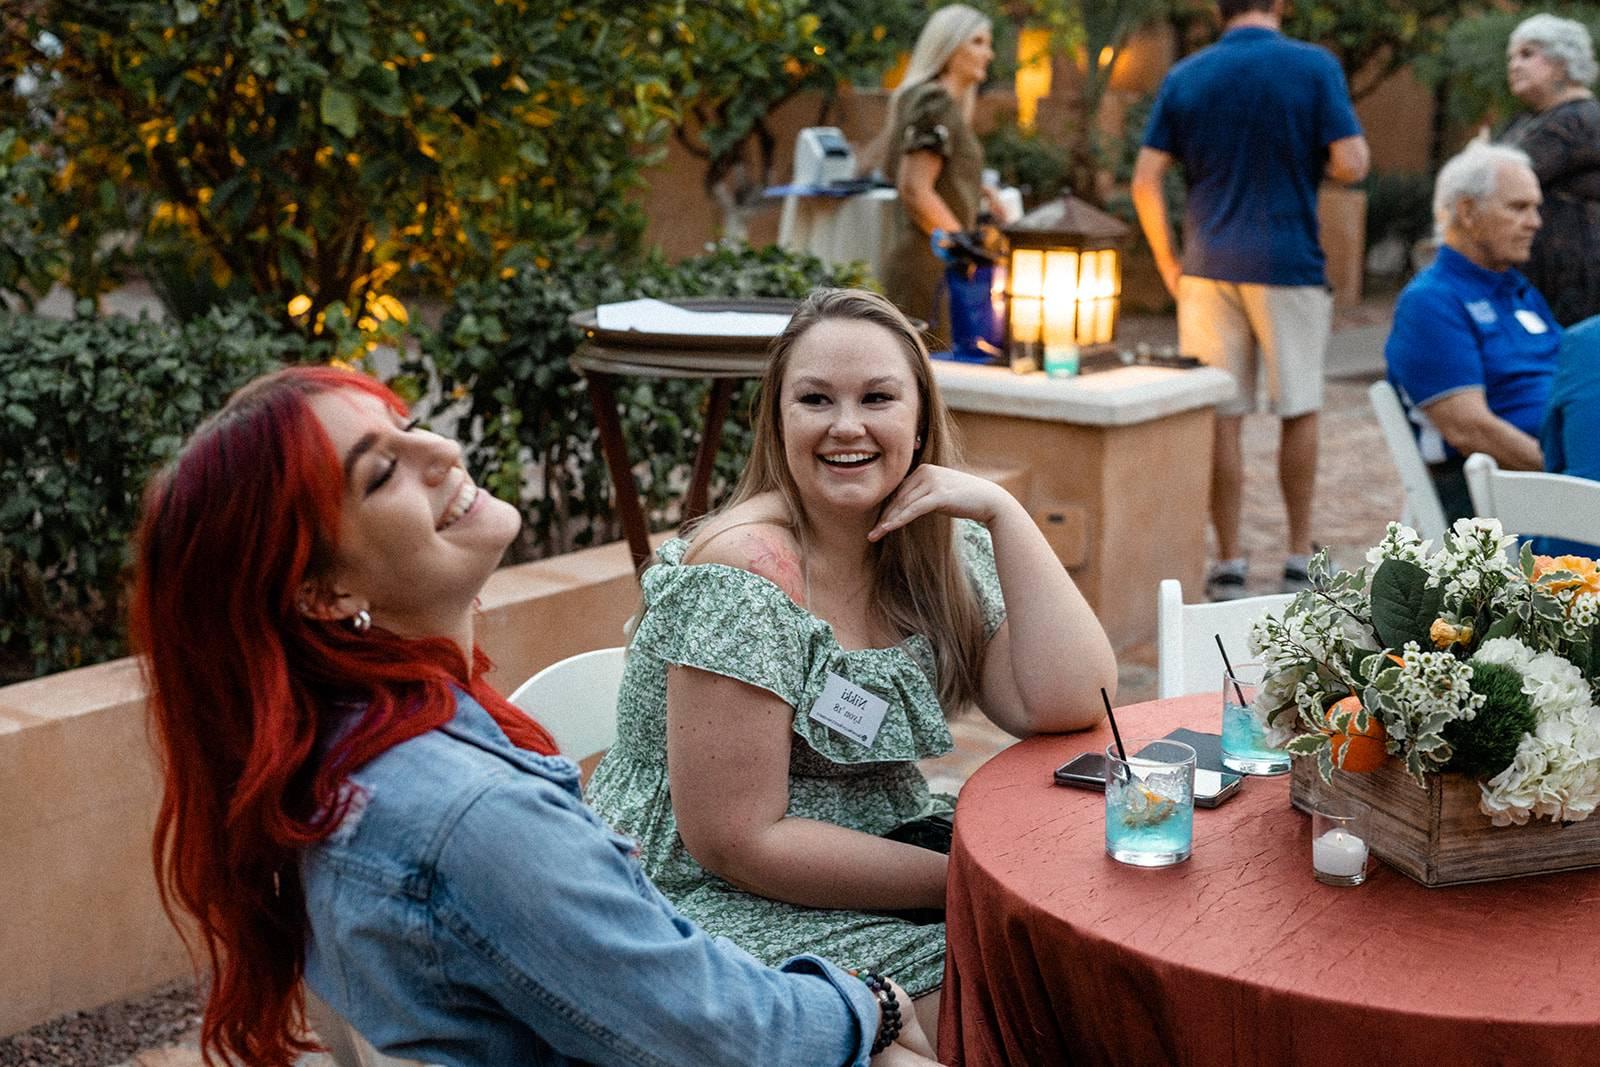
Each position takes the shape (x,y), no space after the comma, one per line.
(932,155)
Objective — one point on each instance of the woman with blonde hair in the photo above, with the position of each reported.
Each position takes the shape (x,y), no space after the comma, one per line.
(799,650)
(1550,66)
(929,151)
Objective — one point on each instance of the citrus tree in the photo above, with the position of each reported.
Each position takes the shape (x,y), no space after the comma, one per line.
(319,154)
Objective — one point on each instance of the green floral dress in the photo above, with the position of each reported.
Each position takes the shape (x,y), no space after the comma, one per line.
(735,623)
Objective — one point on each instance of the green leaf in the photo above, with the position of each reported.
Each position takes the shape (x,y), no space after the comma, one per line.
(1403,607)
(21,416)
(339,110)
(1307,744)
(1506,626)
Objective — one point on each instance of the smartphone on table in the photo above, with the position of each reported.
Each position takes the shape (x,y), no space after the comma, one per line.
(1087,770)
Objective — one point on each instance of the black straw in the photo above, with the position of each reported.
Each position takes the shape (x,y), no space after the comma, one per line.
(1122,753)
(1243,703)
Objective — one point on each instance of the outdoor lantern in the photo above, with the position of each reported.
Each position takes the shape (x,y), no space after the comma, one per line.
(1063,284)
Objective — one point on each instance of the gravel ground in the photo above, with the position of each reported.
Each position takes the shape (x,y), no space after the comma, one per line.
(112,1035)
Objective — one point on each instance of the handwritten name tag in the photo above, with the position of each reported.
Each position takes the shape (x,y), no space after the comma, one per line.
(1531,321)
(846,708)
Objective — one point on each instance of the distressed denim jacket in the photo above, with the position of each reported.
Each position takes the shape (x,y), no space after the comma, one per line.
(471,910)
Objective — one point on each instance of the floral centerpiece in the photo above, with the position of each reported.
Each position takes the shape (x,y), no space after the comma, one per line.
(1462,659)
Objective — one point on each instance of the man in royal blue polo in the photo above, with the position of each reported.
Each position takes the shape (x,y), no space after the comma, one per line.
(1473,348)
(1255,122)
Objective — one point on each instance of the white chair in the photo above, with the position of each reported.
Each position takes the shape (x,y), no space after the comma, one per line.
(1423,512)
(576,700)
(346,1047)
(1534,503)
(1187,660)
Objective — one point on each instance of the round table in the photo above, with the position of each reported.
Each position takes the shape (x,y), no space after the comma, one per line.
(1058,954)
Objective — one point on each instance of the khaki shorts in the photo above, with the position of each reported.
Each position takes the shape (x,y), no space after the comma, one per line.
(1225,324)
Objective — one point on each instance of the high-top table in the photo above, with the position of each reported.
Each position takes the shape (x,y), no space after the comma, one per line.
(1060,955)
(607,356)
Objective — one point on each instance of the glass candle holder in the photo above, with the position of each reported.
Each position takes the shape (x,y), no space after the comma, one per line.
(1339,853)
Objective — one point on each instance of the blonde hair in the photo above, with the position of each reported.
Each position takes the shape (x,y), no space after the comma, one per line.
(921,586)
(946,30)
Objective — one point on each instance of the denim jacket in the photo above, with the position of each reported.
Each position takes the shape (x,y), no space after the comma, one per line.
(471,910)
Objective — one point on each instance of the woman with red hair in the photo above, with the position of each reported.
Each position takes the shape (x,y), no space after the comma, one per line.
(349,804)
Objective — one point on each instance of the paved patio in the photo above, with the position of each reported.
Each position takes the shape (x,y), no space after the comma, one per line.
(1357,493)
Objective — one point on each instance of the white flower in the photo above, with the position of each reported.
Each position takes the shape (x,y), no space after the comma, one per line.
(1399,542)
(1556,772)
(1507,651)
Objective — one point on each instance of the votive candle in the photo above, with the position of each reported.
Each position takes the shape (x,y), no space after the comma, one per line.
(1339,853)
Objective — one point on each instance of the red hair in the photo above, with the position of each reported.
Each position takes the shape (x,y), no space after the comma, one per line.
(246,694)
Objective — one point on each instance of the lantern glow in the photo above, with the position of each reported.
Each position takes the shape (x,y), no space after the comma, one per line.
(1064,284)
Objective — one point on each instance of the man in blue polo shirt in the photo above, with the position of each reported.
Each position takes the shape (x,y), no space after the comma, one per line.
(1473,348)
(1256,122)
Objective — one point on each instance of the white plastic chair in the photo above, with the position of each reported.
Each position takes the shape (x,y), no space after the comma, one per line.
(1187,660)
(576,700)
(1423,512)
(1534,503)
(346,1047)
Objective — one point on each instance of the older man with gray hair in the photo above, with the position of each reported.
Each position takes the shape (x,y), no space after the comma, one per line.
(1473,346)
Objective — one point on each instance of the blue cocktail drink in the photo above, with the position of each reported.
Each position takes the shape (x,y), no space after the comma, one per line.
(1150,803)
(1245,747)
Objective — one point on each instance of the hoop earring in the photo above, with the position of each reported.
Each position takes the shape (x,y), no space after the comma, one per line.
(361,621)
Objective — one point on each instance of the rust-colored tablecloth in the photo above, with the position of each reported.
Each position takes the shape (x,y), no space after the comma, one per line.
(1060,955)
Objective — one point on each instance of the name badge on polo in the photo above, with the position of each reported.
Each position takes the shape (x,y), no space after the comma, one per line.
(1531,322)
(846,708)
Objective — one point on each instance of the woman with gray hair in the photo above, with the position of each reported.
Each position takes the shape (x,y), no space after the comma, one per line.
(931,154)
(1550,65)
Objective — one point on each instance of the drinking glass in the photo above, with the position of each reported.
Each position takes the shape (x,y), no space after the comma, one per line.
(1150,803)
(1244,739)
(1339,841)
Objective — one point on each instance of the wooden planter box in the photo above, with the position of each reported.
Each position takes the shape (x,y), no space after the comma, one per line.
(1438,836)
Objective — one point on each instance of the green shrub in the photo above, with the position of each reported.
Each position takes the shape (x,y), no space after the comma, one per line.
(1399,205)
(503,350)
(88,410)
(1036,165)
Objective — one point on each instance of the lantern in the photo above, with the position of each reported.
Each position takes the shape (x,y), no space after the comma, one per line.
(1063,284)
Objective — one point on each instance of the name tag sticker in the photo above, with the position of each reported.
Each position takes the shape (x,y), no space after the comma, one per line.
(846,708)
(1531,322)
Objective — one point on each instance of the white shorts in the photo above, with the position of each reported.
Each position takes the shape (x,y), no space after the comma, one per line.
(1225,324)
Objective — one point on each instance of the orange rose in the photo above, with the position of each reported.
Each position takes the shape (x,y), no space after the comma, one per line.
(1444,634)
(1586,573)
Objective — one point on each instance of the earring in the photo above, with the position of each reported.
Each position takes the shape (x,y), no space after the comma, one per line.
(918,443)
(361,621)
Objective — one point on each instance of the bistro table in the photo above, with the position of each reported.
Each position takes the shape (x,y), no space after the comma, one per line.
(608,356)
(1060,955)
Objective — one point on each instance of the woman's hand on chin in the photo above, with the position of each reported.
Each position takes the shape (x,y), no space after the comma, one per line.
(929,489)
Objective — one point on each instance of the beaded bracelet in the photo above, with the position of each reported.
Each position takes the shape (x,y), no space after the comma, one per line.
(888,1007)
